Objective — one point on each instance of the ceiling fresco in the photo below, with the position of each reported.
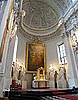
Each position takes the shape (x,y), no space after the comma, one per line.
(42,16)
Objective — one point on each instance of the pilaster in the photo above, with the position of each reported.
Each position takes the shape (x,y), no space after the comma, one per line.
(72,67)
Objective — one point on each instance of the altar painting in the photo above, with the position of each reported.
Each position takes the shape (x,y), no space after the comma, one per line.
(35,56)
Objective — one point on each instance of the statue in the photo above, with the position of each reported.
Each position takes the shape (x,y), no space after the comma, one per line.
(14,71)
(55,78)
(62,80)
(20,75)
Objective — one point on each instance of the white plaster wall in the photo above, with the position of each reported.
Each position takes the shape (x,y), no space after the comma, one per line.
(51,53)
(52,56)
(3,22)
(21,56)
(21,49)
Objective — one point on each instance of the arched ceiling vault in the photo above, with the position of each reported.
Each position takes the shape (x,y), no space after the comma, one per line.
(42,16)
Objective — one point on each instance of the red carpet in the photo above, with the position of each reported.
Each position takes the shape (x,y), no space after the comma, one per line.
(70,97)
(63,93)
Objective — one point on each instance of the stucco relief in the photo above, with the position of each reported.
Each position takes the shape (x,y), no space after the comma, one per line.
(39,14)
(64,5)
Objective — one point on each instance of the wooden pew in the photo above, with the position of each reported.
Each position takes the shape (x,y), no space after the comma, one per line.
(4,98)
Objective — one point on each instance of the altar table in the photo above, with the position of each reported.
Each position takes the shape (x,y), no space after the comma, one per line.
(40,83)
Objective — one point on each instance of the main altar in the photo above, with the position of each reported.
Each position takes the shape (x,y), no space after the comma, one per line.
(40,84)
(40,81)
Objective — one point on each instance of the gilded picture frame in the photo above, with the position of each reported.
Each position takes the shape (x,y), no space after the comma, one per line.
(35,56)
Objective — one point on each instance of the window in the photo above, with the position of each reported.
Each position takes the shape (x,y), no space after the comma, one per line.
(62,54)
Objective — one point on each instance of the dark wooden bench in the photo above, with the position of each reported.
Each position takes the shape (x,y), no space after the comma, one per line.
(4,98)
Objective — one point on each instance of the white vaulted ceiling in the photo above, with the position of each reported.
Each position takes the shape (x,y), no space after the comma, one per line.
(41,16)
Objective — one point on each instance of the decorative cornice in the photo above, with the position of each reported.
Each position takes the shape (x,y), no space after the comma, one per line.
(72,20)
(43,37)
(40,32)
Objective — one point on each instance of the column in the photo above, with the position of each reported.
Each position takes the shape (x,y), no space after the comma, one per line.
(72,68)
